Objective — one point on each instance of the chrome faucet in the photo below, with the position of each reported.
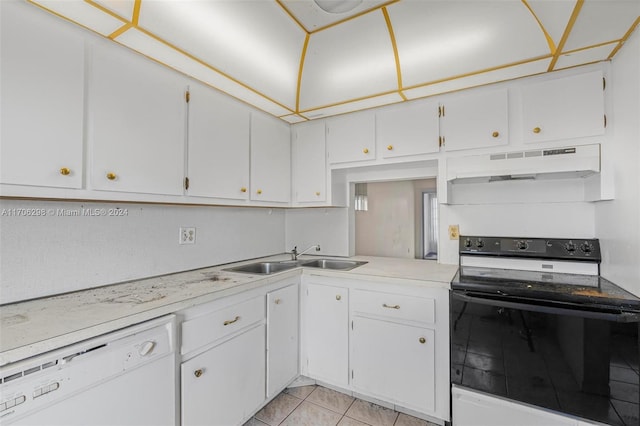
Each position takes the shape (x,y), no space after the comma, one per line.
(295,254)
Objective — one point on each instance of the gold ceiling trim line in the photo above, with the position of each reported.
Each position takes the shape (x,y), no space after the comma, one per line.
(363,98)
(107,11)
(394,45)
(550,42)
(303,56)
(123,29)
(136,12)
(288,12)
(483,71)
(624,38)
(580,49)
(565,35)
(357,15)
(430,83)
(200,61)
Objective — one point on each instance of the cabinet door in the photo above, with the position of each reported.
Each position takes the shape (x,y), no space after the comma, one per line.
(42,102)
(226,384)
(137,124)
(282,338)
(408,129)
(351,138)
(270,159)
(309,163)
(564,108)
(394,362)
(218,155)
(476,120)
(327,333)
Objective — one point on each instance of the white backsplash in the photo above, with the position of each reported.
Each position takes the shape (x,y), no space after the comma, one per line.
(56,253)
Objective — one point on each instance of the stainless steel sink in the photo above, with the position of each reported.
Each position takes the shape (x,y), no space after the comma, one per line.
(335,264)
(265,268)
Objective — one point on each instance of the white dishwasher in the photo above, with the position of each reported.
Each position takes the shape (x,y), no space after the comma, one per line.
(127,377)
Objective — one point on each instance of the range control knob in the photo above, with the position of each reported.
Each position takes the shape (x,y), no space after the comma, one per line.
(586,247)
(522,245)
(467,243)
(571,247)
(479,243)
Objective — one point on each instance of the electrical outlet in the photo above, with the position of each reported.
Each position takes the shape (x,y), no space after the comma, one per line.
(187,236)
(454,232)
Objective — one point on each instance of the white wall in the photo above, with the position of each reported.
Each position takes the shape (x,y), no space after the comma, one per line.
(53,254)
(617,222)
(387,228)
(328,227)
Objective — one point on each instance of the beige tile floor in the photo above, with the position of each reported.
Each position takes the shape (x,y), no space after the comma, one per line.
(319,406)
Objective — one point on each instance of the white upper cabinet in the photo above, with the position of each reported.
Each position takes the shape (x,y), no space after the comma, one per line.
(218,149)
(42,102)
(351,137)
(309,162)
(137,123)
(408,129)
(568,107)
(475,120)
(270,159)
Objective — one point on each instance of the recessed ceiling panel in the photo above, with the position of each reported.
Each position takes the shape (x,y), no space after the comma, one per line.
(312,17)
(122,8)
(84,14)
(553,15)
(503,74)
(255,42)
(601,21)
(149,46)
(439,40)
(348,61)
(585,56)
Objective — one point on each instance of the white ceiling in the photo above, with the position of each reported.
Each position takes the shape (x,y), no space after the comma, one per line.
(295,61)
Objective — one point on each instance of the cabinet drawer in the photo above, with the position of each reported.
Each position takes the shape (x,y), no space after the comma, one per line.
(216,325)
(408,308)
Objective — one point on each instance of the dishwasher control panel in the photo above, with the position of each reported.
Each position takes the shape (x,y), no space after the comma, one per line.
(40,381)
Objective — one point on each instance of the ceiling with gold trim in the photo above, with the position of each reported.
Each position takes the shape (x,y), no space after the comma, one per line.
(298,62)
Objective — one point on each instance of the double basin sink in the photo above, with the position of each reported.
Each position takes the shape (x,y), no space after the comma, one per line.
(266,268)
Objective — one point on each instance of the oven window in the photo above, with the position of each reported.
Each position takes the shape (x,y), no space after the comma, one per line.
(584,367)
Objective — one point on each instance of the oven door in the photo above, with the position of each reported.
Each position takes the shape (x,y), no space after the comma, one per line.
(574,361)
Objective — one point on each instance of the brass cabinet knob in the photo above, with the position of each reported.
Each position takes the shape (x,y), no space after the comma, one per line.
(243,189)
(317,193)
(259,191)
(422,340)
(495,134)
(278,301)
(389,147)
(338,297)
(111,176)
(366,150)
(65,171)
(198,372)
(536,130)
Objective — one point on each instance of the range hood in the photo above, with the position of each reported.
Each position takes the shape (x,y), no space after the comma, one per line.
(553,163)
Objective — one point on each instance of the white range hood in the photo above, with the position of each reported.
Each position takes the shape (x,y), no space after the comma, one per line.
(552,163)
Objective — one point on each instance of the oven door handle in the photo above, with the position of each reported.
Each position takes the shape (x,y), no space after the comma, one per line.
(557,308)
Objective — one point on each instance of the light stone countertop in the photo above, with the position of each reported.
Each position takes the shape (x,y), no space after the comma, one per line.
(37,326)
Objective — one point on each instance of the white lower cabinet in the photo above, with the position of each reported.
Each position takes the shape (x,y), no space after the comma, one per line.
(476,409)
(389,342)
(326,333)
(225,385)
(394,362)
(282,338)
